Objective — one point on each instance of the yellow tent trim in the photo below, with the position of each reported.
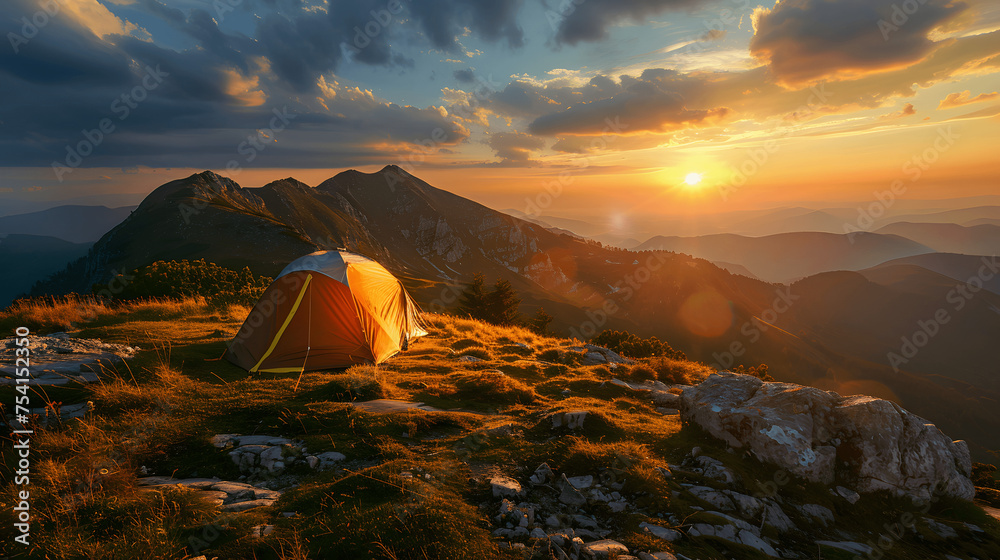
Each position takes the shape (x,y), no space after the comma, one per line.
(282,370)
(284,325)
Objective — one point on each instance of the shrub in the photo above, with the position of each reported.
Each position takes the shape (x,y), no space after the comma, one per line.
(759,372)
(221,286)
(630,345)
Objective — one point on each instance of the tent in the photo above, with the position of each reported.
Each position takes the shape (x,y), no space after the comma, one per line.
(329,309)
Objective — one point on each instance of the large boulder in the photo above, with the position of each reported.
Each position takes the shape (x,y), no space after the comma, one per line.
(867,443)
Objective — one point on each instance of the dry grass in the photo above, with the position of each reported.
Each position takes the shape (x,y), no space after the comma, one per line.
(72,312)
(669,371)
(493,386)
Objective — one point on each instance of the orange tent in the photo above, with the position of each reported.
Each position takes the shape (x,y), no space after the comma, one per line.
(329,309)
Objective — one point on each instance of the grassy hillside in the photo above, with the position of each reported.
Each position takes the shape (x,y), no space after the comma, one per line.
(414,483)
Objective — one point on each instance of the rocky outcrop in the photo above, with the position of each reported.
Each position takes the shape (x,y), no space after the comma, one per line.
(864,443)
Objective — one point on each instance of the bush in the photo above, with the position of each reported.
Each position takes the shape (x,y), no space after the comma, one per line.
(759,372)
(221,286)
(630,345)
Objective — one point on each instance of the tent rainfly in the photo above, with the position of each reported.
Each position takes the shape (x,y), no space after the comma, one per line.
(328,309)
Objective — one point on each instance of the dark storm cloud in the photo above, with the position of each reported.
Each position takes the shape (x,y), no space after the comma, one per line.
(65,81)
(589,20)
(443,21)
(466,76)
(809,40)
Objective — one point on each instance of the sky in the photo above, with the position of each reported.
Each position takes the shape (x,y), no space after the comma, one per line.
(563,107)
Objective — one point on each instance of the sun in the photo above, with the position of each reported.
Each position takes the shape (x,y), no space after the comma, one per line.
(692,179)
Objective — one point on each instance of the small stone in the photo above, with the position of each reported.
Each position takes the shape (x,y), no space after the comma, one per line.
(542,475)
(537,533)
(581,482)
(570,495)
(504,486)
(848,494)
(312,461)
(607,548)
(661,532)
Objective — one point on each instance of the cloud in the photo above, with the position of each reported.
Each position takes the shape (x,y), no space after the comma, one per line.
(514,147)
(654,102)
(466,76)
(442,21)
(962,98)
(589,20)
(906,111)
(804,41)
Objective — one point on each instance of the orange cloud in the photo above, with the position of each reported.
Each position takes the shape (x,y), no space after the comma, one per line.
(962,98)
(906,111)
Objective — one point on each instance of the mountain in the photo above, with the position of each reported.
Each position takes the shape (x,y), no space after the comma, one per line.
(955,267)
(787,257)
(949,238)
(832,330)
(30,258)
(79,224)
(957,216)
(734,268)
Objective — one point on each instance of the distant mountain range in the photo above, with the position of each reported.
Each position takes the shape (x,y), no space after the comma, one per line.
(75,223)
(786,257)
(981,239)
(28,258)
(832,329)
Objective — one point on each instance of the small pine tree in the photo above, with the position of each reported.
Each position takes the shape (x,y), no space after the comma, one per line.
(472,303)
(540,322)
(501,304)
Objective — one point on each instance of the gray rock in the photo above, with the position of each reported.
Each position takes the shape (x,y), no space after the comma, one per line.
(581,482)
(594,358)
(246,505)
(263,440)
(801,429)
(571,496)
(775,517)
(661,532)
(666,399)
(329,458)
(656,556)
(754,541)
(848,494)
(849,546)
(504,486)
(942,530)
(817,513)
(715,497)
(537,533)
(270,459)
(542,475)
(606,548)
